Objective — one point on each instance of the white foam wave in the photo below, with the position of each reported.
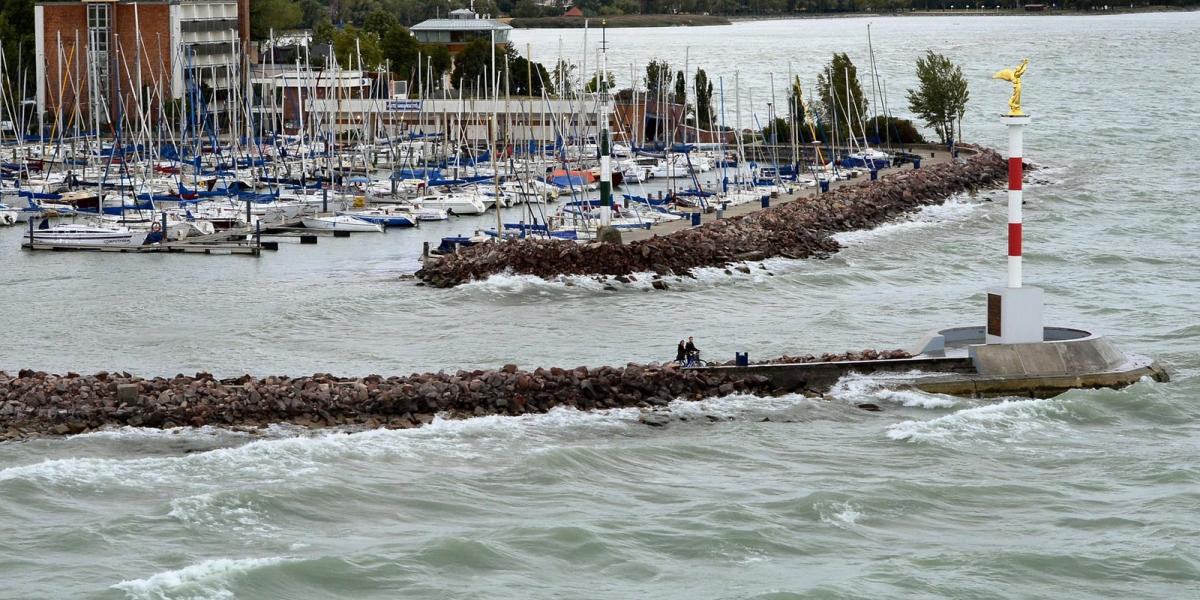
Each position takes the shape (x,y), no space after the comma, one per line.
(958,207)
(220,511)
(1005,421)
(509,283)
(843,515)
(278,460)
(207,580)
(887,387)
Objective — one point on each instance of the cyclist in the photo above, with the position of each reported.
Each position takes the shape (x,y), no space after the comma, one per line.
(692,352)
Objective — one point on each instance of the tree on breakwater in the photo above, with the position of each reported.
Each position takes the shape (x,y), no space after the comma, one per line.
(842,97)
(941,98)
(704,103)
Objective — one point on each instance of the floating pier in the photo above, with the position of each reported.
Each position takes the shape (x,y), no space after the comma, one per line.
(248,241)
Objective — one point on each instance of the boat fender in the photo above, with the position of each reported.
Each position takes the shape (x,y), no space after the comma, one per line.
(156,227)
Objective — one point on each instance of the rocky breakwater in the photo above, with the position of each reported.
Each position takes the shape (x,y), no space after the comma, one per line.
(36,403)
(799,229)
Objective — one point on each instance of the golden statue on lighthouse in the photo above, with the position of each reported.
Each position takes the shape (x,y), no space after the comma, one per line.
(1014,75)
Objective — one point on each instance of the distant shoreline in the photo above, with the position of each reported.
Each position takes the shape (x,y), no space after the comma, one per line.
(620,21)
(1116,10)
(692,20)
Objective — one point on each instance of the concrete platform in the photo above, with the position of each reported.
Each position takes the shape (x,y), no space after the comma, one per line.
(958,363)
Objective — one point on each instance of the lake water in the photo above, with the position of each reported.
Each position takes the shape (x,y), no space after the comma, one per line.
(1090,495)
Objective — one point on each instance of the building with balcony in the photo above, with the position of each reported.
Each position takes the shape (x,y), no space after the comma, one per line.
(462,28)
(145,52)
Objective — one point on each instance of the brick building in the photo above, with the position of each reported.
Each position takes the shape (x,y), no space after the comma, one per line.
(90,52)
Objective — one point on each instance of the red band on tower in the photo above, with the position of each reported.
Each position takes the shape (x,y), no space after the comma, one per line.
(1014,239)
(1015,173)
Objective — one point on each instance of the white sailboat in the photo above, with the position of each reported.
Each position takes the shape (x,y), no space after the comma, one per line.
(341,223)
(74,235)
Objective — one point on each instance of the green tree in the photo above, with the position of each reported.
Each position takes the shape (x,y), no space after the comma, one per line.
(680,96)
(526,9)
(313,12)
(437,60)
(704,105)
(899,131)
(594,84)
(379,22)
(402,51)
(658,78)
(17,41)
(842,96)
(777,131)
(526,78)
(350,42)
(941,97)
(797,115)
(564,79)
(472,67)
(278,15)
(473,70)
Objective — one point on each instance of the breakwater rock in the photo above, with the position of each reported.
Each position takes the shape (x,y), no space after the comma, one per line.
(34,403)
(37,403)
(799,229)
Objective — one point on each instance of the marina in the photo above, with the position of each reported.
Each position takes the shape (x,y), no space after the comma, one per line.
(983,391)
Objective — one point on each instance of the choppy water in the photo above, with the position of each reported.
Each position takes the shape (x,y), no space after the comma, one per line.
(1089,495)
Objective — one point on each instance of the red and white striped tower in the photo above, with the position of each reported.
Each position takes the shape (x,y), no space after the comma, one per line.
(1014,311)
(1016,133)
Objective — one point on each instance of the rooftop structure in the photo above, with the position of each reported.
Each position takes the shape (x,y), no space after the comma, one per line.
(463,27)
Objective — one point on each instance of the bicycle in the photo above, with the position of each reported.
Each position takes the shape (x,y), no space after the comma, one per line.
(694,361)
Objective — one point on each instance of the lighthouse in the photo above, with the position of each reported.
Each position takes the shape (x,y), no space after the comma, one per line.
(1014,311)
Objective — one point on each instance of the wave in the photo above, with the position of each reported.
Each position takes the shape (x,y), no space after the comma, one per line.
(701,278)
(842,515)
(1009,420)
(290,452)
(220,511)
(886,387)
(958,207)
(208,580)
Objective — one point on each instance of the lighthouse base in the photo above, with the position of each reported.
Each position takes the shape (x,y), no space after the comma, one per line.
(1014,315)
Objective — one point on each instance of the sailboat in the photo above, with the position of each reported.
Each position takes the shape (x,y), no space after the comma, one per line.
(341,222)
(75,235)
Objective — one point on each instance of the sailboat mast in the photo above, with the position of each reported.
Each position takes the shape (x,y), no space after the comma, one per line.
(605,143)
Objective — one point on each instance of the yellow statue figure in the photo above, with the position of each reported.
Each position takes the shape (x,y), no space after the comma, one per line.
(1014,75)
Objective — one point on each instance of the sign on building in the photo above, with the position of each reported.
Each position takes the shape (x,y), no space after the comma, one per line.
(404,105)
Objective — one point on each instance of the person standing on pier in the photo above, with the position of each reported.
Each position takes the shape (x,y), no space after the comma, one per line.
(681,352)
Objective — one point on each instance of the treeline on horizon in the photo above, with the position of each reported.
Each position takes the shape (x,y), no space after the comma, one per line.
(306,14)
(17,26)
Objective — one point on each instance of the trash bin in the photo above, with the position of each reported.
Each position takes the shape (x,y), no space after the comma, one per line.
(916,163)
(741,359)
(766,201)
(696,219)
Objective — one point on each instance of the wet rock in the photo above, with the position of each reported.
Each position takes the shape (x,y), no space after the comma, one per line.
(800,229)
(654,419)
(870,407)
(127,392)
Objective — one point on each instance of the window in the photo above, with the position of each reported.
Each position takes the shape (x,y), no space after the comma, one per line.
(99,22)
